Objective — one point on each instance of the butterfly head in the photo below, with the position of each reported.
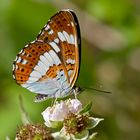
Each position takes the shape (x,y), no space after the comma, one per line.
(77,89)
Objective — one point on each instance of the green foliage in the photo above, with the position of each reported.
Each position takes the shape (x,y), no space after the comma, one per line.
(86,108)
(116,71)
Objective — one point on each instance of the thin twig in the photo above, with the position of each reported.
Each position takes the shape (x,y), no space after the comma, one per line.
(24,115)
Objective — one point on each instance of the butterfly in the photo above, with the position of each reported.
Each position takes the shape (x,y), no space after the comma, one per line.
(49,66)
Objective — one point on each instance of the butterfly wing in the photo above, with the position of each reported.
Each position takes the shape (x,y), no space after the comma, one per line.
(62,32)
(50,64)
(39,69)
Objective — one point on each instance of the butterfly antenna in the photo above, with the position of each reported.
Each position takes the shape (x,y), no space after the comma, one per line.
(103,91)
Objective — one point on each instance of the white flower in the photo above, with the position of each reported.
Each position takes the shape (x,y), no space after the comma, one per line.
(72,121)
(63,134)
(59,111)
(47,115)
(75,105)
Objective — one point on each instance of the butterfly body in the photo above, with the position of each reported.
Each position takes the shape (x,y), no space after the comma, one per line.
(50,65)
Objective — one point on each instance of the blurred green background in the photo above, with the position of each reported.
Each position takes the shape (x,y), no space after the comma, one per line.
(110,61)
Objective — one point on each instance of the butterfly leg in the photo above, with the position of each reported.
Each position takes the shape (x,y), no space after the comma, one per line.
(75,93)
(54,100)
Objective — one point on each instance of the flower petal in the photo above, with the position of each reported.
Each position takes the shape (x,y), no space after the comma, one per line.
(60,112)
(93,122)
(75,106)
(46,115)
(48,123)
(93,136)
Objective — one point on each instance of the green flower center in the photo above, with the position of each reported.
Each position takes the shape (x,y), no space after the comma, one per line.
(75,123)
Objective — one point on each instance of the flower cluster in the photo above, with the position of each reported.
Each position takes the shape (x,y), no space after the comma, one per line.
(34,132)
(65,120)
(72,121)
(59,111)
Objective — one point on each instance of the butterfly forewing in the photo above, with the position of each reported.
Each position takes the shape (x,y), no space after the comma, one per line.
(50,64)
(62,33)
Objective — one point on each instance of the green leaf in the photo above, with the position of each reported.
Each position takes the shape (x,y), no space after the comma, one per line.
(86,108)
